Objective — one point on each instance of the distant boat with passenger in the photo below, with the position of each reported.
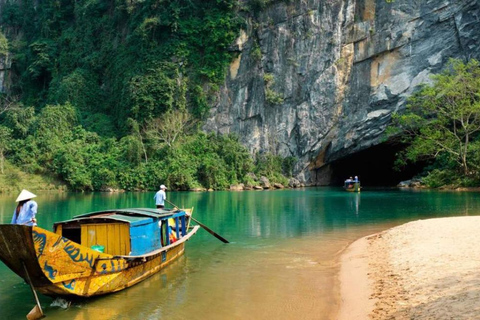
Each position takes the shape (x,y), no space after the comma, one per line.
(352,185)
(96,253)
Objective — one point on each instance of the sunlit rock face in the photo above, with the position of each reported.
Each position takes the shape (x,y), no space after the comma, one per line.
(5,65)
(319,80)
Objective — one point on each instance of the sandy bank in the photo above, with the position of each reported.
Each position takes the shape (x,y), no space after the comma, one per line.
(426,269)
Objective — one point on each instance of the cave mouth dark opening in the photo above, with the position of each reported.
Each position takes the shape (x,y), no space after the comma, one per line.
(374,167)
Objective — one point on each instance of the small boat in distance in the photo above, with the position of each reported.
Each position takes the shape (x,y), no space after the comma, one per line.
(352,185)
(96,253)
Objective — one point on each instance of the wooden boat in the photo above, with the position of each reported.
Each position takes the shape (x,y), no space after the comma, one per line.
(352,186)
(136,243)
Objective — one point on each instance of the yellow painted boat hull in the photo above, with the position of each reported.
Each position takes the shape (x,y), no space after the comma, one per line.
(58,266)
(354,187)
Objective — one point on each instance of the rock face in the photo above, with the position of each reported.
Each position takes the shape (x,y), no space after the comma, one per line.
(320,79)
(5,65)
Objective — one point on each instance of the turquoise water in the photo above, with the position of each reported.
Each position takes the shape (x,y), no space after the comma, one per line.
(281,262)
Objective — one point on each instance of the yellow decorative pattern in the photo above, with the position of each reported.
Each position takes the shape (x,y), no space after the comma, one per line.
(78,270)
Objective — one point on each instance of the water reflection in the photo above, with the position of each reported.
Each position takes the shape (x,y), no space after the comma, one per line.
(281,262)
(356,202)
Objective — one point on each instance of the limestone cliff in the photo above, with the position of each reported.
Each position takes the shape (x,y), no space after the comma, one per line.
(4,71)
(320,79)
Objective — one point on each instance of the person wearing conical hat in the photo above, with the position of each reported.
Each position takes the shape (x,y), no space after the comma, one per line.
(26,209)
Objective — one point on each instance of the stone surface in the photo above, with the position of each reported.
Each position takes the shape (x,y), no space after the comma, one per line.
(342,69)
(237,187)
(294,183)
(264,182)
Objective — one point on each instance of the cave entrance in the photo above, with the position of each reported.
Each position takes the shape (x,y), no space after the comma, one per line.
(373,166)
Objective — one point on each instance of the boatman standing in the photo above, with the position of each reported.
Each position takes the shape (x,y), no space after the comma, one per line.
(160,197)
(26,209)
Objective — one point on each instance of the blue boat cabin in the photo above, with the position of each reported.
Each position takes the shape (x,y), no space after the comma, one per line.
(132,232)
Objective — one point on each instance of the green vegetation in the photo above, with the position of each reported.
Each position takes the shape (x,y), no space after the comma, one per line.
(174,152)
(3,45)
(13,180)
(272,97)
(442,125)
(124,59)
(112,94)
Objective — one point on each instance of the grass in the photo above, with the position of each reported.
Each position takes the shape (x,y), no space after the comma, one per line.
(14,180)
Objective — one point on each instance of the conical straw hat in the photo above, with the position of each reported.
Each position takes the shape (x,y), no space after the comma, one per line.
(25,195)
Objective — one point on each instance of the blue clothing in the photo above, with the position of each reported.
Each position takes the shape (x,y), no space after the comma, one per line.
(26,214)
(160,198)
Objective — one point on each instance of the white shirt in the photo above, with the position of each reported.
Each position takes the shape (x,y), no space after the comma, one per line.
(160,198)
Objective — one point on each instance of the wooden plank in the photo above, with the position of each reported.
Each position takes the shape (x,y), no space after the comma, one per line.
(116,246)
(125,236)
(101,234)
(110,235)
(84,236)
(115,239)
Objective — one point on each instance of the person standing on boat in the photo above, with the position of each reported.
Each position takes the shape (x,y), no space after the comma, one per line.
(160,197)
(26,209)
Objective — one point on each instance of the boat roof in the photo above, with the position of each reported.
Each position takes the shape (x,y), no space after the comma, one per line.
(132,216)
(147,212)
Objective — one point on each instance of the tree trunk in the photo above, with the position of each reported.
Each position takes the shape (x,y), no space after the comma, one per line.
(464,156)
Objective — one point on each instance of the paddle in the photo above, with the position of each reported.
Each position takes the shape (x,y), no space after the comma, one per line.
(37,312)
(216,235)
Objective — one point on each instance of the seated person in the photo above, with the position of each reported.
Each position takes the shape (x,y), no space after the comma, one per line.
(172,230)
(348,183)
(172,234)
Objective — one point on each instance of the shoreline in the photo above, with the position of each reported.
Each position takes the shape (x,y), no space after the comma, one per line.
(425,269)
(60,187)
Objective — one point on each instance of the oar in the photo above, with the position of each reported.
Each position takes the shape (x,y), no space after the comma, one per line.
(36,312)
(216,235)
(25,223)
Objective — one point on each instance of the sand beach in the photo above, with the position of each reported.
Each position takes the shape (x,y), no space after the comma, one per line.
(426,269)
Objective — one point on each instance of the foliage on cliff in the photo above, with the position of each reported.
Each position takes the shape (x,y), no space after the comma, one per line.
(122,59)
(111,93)
(442,123)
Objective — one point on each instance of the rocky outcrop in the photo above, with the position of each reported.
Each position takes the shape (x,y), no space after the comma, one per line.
(5,66)
(319,80)
(413,183)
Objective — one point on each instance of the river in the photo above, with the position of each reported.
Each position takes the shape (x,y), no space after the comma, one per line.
(282,261)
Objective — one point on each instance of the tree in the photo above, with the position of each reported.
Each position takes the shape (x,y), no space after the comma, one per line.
(442,120)
(8,102)
(169,127)
(5,134)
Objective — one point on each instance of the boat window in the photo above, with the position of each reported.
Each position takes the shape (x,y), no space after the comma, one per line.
(73,234)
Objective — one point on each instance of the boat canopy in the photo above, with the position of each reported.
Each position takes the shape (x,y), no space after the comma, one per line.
(124,215)
(154,213)
(134,231)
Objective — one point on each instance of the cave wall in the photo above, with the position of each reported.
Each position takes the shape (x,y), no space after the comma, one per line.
(340,69)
